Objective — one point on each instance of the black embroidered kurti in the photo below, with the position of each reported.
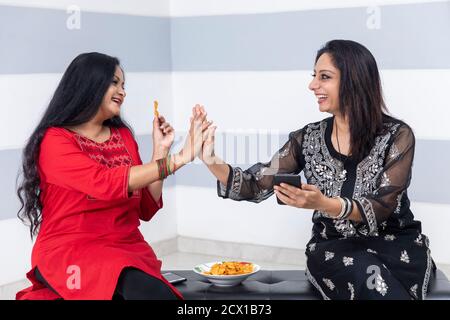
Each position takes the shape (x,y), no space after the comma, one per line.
(383,257)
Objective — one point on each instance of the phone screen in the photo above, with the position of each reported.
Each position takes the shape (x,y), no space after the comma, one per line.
(173,278)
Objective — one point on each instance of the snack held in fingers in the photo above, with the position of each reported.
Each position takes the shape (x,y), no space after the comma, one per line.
(155,108)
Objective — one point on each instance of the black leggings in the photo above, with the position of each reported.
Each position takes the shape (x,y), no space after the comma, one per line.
(133,284)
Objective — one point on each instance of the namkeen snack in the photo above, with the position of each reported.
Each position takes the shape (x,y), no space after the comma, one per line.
(230,268)
(155,108)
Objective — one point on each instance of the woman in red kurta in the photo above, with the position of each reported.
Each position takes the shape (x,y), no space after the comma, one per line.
(94,189)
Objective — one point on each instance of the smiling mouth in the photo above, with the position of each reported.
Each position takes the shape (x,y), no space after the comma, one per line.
(321,97)
(117,100)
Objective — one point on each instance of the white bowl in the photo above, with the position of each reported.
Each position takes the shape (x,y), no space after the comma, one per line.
(223,280)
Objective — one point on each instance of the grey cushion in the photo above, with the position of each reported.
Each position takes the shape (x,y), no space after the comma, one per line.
(275,285)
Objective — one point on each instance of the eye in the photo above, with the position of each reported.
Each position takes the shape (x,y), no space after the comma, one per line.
(324,77)
(313,75)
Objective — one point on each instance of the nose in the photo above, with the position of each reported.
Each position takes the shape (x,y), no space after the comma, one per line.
(122,92)
(314,84)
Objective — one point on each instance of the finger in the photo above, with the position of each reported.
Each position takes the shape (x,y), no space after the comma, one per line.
(205,135)
(202,116)
(286,191)
(168,129)
(309,187)
(211,135)
(197,113)
(290,188)
(162,119)
(206,124)
(284,198)
(164,125)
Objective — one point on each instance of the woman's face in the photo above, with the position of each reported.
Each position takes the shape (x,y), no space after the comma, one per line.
(114,96)
(325,84)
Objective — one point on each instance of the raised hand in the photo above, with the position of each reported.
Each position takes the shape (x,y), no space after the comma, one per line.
(194,139)
(163,137)
(207,155)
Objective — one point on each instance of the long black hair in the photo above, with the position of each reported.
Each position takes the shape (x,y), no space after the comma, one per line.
(360,93)
(76,100)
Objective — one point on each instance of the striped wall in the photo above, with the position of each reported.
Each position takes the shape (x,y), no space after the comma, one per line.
(249,62)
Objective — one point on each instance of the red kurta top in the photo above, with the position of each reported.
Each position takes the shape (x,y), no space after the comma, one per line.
(89,229)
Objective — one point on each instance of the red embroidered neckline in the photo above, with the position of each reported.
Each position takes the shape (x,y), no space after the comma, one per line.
(110,153)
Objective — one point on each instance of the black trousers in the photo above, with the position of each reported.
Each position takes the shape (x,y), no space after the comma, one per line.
(133,284)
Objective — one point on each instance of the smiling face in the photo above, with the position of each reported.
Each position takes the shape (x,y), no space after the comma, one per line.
(114,96)
(325,84)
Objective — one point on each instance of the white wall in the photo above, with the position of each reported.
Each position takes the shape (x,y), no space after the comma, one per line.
(133,7)
(223,7)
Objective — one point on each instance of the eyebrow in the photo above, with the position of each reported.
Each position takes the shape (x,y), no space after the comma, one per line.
(325,70)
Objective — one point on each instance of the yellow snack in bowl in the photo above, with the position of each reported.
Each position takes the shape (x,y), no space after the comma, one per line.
(228,268)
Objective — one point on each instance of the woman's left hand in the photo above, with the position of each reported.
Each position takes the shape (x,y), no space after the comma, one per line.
(308,197)
(163,136)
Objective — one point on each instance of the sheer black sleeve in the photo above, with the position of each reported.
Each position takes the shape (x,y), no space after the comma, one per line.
(256,183)
(391,182)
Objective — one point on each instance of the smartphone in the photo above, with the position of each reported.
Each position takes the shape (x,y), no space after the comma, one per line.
(173,278)
(291,179)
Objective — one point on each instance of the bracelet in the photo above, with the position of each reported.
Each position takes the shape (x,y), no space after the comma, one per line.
(168,165)
(343,208)
(160,163)
(346,208)
(164,167)
(349,208)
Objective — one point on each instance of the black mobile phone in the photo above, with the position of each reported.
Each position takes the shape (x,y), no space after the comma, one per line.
(173,278)
(291,179)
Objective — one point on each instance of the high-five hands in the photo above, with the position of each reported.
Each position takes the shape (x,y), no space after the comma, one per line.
(194,140)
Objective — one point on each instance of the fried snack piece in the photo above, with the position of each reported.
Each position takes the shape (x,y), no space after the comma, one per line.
(230,268)
(155,108)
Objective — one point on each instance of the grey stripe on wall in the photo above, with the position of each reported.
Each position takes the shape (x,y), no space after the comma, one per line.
(429,183)
(37,40)
(411,36)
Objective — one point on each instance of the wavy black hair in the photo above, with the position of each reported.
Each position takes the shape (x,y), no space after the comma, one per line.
(76,100)
(360,93)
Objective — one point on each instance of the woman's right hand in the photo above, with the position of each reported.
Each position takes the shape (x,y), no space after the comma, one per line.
(207,154)
(194,140)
